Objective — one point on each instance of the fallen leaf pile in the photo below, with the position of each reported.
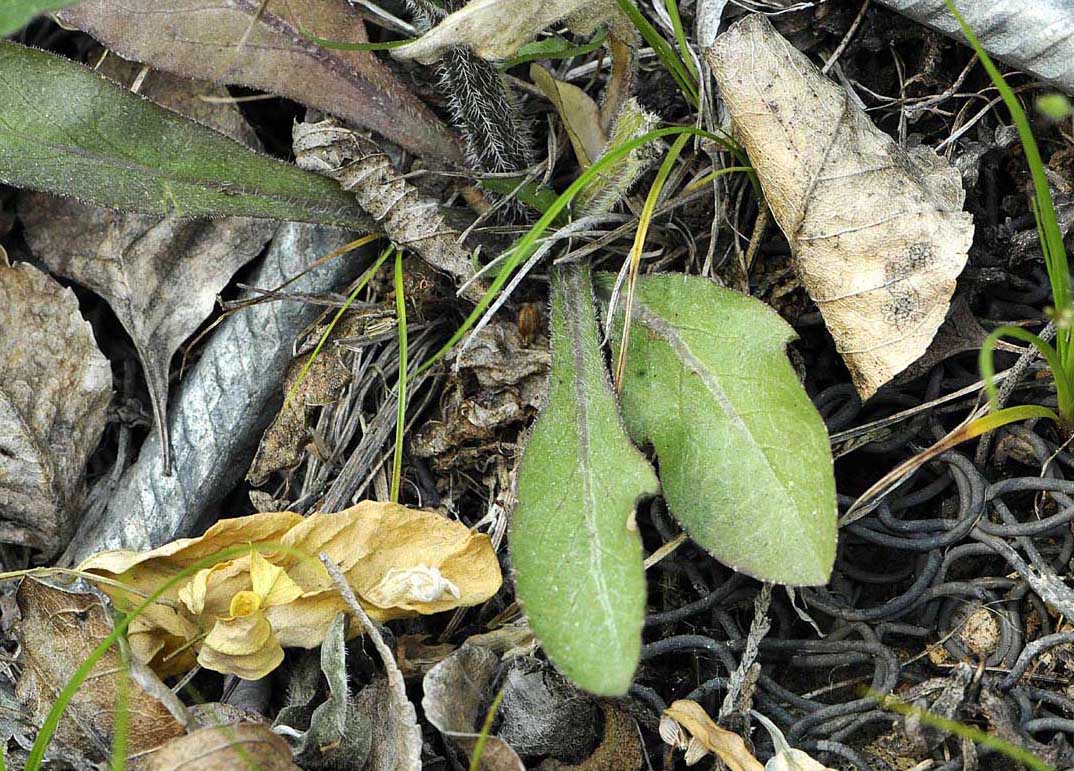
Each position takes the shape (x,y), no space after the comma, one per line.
(877,229)
(236,615)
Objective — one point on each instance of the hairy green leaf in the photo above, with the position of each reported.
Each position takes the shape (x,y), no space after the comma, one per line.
(64,129)
(16,14)
(744,459)
(574,545)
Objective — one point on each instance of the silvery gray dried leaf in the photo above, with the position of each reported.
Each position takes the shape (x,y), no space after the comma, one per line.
(456,692)
(1034,35)
(55,386)
(877,229)
(223,403)
(333,734)
(159,275)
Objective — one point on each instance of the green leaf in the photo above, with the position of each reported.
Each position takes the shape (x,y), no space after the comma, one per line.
(574,545)
(64,129)
(744,459)
(16,14)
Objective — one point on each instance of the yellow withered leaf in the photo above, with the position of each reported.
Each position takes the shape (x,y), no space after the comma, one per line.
(236,615)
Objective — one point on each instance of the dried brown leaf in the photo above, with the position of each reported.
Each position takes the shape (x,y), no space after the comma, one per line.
(262,45)
(321,383)
(225,748)
(159,275)
(877,229)
(58,631)
(620,747)
(55,386)
(456,692)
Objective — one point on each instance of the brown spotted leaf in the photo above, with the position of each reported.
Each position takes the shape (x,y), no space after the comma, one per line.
(877,228)
(266,45)
(160,275)
(58,631)
(55,386)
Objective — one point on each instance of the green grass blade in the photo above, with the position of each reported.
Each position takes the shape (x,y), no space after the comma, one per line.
(663,50)
(986,362)
(977,736)
(365,279)
(1044,206)
(400,421)
(523,248)
(672,7)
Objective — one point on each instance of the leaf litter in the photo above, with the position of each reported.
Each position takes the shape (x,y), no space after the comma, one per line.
(425,566)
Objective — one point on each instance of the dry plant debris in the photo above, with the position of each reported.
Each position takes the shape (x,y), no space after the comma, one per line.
(58,630)
(55,387)
(878,229)
(160,276)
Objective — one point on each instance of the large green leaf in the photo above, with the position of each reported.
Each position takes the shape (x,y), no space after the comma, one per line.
(574,545)
(16,14)
(744,459)
(64,129)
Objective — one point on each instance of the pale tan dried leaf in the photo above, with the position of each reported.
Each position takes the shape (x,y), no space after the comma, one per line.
(55,386)
(456,692)
(877,229)
(496,29)
(786,758)
(58,631)
(225,748)
(264,45)
(706,736)
(159,275)
(579,113)
(408,217)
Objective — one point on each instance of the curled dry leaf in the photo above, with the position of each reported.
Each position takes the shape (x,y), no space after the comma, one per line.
(225,748)
(496,29)
(237,615)
(265,45)
(58,631)
(159,275)
(686,726)
(457,691)
(877,229)
(408,218)
(55,386)
(334,733)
